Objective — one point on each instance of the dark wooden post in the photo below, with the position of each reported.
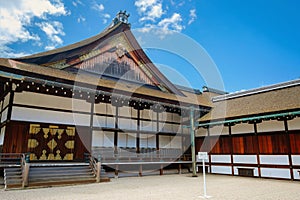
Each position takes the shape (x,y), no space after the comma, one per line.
(138,131)
(231,149)
(157,131)
(288,144)
(258,150)
(116,131)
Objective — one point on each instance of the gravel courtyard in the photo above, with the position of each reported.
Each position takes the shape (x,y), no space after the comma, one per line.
(175,187)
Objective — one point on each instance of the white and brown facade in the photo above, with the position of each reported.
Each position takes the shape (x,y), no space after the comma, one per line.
(258,135)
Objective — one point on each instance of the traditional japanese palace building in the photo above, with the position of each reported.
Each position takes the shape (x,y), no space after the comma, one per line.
(259,135)
(103,97)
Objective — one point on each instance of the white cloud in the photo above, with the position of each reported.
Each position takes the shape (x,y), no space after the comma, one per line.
(7,52)
(16,17)
(151,16)
(81,19)
(193,16)
(149,9)
(173,23)
(77,2)
(105,18)
(165,27)
(53,30)
(98,7)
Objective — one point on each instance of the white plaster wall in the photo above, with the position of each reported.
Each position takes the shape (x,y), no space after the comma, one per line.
(98,139)
(221,158)
(110,122)
(269,126)
(242,128)
(221,169)
(164,141)
(275,173)
(4,115)
(176,128)
(201,132)
(167,128)
(274,159)
(110,110)
(147,114)
(46,116)
(151,141)
(6,100)
(143,140)
(100,108)
(125,123)
(177,118)
(176,142)
(185,130)
(122,140)
(2,134)
(147,125)
(246,159)
(219,130)
(133,112)
(131,141)
(169,117)
(294,124)
(50,101)
(162,116)
(125,111)
(296,174)
(236,172)
(147,141)
(296,159)
(108,139)
(99,121)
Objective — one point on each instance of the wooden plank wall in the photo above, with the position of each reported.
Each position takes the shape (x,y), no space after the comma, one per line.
(264,143)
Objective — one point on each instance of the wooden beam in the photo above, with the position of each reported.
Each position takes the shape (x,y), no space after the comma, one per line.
(288,144)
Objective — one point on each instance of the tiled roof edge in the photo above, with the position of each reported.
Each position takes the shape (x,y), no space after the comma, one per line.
(256,90)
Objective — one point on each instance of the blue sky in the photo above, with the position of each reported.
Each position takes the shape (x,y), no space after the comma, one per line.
(252,42)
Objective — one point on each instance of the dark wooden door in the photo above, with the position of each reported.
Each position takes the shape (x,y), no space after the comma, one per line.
(51,143)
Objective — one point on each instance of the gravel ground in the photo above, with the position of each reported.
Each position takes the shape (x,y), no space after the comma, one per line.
(175,187)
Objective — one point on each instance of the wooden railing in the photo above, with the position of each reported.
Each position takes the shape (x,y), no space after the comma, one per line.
(25,166)
(95,166)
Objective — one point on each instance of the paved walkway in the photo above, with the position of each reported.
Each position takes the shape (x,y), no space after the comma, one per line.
(167,187)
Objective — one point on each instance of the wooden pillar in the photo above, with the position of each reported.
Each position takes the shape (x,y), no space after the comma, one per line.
(192,134)
(117,171)
(209,154)
(25,175)
(92,123)
(10,105)
(231,149)
(138,131)
(1,111)
(116,127)
(288,144)
(258,151)
(98,175)
(161,170)
(157,131)
(140,170)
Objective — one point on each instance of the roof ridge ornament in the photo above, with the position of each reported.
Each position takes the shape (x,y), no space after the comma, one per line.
(122,16)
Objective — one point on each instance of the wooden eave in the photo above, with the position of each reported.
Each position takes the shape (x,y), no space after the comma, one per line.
(59,76)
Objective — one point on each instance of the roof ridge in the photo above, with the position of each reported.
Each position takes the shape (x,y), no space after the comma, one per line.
(73,45)
(257,90)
